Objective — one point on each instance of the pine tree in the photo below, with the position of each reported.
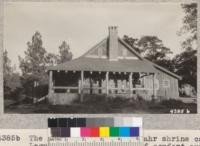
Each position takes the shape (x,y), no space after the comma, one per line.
(64,51)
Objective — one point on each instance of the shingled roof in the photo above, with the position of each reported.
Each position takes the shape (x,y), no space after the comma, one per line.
(98,64)
(111,44)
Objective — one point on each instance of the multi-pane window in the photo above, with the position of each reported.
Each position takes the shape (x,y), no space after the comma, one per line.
(166,83)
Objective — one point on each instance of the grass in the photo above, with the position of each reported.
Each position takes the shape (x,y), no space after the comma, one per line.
(102,104)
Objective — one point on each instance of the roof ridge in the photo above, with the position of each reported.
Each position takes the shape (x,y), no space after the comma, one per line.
(154,64)
(131,48)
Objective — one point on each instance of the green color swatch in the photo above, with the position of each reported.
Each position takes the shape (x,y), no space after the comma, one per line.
(114,131)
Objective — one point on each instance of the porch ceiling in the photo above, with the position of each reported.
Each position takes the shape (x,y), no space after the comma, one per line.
(97,64)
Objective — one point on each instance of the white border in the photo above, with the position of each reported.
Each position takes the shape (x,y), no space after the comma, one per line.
(151,121)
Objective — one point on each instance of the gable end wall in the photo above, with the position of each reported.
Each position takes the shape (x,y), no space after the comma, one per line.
(167,93)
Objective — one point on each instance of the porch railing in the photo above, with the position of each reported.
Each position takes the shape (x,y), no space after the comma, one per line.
(99,88)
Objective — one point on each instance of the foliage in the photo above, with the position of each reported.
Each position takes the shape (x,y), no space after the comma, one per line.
(29,89)
(133,42)
(186,66)
(167,63)
(12,82)
(7,69)
(65,54)
(12,85)
(34,61)
(152,48)
(189,25)
(51,59)
(186,61)
(33,66)
(172,103)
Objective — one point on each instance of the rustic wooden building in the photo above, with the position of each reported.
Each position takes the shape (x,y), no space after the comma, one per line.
(113,68)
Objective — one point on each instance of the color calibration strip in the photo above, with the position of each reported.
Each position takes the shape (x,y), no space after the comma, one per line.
(95,127)
(95,132)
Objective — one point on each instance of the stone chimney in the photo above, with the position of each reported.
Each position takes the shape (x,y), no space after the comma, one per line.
(113,43)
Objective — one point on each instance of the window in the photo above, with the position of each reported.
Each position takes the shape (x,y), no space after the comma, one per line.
(166,83)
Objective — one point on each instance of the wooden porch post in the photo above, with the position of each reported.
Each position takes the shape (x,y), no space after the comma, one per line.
(130,84)
(50,82)
(155,92)
(153,85)
(82,83)
(107,82)
(100,85)
(82,79)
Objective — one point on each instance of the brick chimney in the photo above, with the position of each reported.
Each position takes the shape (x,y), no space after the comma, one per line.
(113,43)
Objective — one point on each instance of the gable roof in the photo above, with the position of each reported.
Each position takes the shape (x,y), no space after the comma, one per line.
(95,46)
(122,65)
(155,65)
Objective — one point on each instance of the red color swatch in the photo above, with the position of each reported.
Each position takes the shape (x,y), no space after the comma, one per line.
(94,132)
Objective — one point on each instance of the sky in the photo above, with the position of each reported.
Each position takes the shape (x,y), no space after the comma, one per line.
(84,24)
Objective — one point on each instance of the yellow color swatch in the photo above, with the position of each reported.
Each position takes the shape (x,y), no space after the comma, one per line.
(104,132)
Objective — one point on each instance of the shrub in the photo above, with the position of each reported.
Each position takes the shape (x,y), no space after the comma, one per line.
(94,98)
(172,103)
(118,102)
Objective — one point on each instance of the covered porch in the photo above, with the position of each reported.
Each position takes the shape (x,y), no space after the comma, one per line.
(125,78)
(74,84)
